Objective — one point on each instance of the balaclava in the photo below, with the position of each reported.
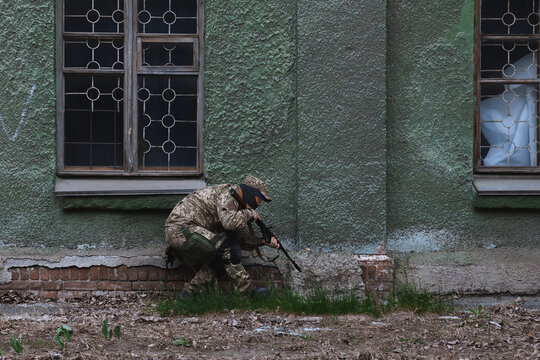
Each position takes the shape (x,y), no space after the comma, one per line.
(249,193)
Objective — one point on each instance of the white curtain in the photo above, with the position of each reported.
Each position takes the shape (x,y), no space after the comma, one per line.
(508,122)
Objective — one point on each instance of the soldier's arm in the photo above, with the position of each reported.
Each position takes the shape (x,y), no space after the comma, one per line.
(230,216)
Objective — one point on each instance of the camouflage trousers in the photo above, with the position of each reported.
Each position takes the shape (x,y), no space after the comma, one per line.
(206,275)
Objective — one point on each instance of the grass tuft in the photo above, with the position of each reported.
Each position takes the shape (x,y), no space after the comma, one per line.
(318,302)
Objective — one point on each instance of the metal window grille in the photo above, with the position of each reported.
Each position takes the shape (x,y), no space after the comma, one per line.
(129,86)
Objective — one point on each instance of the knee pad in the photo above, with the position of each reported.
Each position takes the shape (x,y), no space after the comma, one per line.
(236,253)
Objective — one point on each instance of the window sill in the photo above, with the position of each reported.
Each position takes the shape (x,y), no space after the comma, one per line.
(506,185)
(66,187)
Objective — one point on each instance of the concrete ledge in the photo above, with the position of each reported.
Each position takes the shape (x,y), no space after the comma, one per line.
(473,272)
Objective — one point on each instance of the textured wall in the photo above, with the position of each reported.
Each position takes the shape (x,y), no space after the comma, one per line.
(249,127)
(30,214)
(341,123)
(430,134)
(250,112)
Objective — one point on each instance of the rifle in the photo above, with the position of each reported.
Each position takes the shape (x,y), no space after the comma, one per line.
(266,232)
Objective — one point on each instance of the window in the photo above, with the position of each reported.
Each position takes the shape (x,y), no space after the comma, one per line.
(129,87)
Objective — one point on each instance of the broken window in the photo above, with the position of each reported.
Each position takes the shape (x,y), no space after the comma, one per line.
(507,85)
(129,86)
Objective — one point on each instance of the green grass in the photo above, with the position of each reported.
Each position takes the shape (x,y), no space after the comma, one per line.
(409,297)
(316,303)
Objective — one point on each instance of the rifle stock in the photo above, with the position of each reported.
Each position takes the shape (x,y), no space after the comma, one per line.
(266,232)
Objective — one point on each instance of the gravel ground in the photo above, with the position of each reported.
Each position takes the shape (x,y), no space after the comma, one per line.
(504,331)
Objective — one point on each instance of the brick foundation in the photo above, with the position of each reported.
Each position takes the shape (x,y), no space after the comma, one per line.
(74,282)
(377,274)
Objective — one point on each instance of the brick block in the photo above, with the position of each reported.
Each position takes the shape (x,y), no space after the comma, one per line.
(74,273)
(155,274)
(103,273)
(48,294)
(132,274)
(94,273)
(35,285)
(34,273)
(44,274)
(63,274)
(54,274)
(51,285)
(114,285)
(15,285)
(121,273)
(143,273)
(175,285)
(149,286)
(24,274)
(15,274)
(84,274)
(80,285)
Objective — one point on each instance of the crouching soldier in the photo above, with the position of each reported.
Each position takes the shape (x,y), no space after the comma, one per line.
(209,228)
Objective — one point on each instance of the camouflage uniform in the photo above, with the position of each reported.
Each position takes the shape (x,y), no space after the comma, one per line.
(211,212)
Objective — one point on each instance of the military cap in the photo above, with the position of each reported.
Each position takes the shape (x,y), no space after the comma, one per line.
(257,184)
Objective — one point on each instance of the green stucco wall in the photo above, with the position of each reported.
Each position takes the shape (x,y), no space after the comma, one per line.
(341,124)
(357,113)
(249,127)
(430,127)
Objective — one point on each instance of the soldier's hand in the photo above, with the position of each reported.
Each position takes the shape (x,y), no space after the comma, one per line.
(274,243)
(256,216)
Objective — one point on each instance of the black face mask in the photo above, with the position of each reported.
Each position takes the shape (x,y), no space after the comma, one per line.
(249,193)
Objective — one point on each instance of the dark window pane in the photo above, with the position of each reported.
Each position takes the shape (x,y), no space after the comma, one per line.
(76,24)
(184,7)
(77,126)
(184,26)
(184,158)
(103,155)
(155,158)
(103,127)
(184,108)
(184,84)
(77,154)
(184,134)
(77,54)
(77,7)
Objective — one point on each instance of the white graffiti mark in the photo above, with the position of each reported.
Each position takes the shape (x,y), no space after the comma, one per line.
(23,115)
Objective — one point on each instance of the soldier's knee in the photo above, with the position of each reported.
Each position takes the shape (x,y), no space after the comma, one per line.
(236,253)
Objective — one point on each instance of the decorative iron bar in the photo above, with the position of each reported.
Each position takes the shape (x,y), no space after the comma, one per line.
(507,85)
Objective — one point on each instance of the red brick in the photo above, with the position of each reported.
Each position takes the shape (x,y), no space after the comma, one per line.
(80,285)
(64,274)
(16,285)
(132,274)
(81,294)
(44,274)
(48,294)
(175,285)
(34,273)
(52,285)
(94,273)
(143,273)
(155,274)
(54,274)
(24,274)
(35,285)
(121,273)
(114,285)
(15,274)
(84,274)
(74,273)
(148,285)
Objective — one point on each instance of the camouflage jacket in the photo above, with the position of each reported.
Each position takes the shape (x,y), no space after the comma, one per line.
(212,208)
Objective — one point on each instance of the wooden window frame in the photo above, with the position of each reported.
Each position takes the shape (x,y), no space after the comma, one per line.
(131,72)
(477,132)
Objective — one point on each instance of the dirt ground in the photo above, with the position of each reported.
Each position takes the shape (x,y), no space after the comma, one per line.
(508,331)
